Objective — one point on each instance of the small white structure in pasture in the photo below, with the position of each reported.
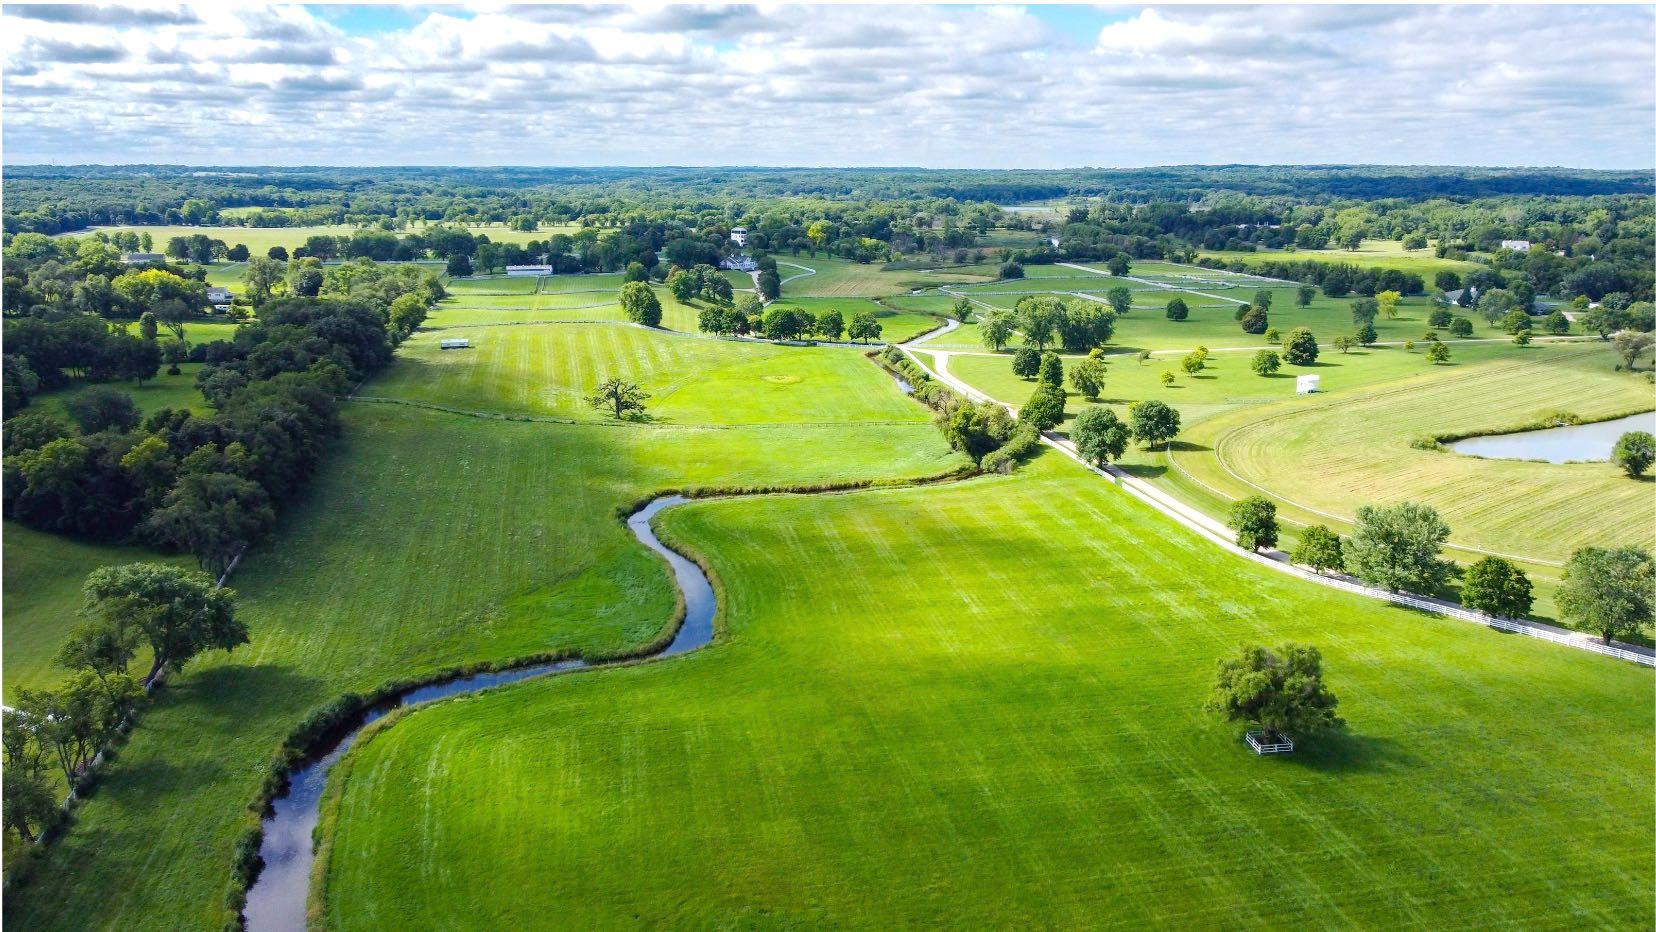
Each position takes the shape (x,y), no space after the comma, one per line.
(454,343)
(521,270)
(739,236)
(1306,384)
(1516,245)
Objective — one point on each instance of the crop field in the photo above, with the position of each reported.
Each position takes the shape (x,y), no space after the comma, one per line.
(549,369)
(486,539)
(1006,717)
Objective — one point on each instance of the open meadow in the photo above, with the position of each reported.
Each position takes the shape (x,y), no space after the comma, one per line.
(1373,253)
(992,690)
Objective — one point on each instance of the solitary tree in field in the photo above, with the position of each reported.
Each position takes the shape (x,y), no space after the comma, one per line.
(1143,356)
(178,611)
(1281,692)
(1026,362)
(1255,320)
(963,309)
(1044,409)
(1193,363)
(1396,547)
(1319,548)
(1166,378)
(1388,301)
(1631,344)
(1304,296)
(1497,587)
(1460,327)
(1119,265)
(1177,309)
(640,304)
(1265,362)
(1254,521)
(1299,348)
(1344,344)
(1153,422)
(1437,352)
(1608,590)
(1634,452)
(619,397)
(995,328)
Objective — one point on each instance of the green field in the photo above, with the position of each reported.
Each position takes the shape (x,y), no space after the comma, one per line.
(982,704)
(549,369)
(841,278)
(259,240)
(1374,253)
(485,540)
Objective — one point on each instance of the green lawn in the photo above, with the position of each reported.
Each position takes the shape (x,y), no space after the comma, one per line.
(548,369)
(427,541)
(163,391)
(1374,253)
(258,240)
(981,705)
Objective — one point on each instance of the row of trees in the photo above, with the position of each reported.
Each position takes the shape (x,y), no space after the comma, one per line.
(1399,547)
(1077,326)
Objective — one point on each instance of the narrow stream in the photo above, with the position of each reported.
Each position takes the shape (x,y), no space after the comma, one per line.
(277,899)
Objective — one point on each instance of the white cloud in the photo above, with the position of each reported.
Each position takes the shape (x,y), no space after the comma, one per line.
(948,86)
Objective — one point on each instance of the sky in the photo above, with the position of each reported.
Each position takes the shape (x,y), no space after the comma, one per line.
(930,86)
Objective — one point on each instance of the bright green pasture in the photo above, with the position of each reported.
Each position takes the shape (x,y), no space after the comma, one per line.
(895,325)
(550,369)
(259,240)
(495,285)
(1374,253)
(980,705)
(43,576)
(428,540)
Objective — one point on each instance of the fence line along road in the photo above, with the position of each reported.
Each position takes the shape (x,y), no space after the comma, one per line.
(1219,534)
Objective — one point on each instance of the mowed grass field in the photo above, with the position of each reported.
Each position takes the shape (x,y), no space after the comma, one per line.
(980,705)
(841,278)
(1373,253)
(429,540)
(1330,455)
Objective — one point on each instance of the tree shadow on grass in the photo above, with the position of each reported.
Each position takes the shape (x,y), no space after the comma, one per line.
(222,691)
(1351,752)
(1185,446)
(1143,470)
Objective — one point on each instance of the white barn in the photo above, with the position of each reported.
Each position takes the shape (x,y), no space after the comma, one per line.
(1516,245)
(454,343)
(513,271)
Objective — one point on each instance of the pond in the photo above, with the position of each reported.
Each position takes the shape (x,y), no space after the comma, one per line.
(1576,443)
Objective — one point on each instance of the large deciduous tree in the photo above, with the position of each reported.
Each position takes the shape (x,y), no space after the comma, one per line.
(1254,521)
(1281,691)
(1099,435)
(1153,422)
(1396,547)
(1496,586)
(1608,590)
(179,612)
(639,302)
(619,397)
(1319,548)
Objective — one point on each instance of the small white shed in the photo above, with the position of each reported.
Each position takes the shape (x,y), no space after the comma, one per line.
(460,343)
(1306,384)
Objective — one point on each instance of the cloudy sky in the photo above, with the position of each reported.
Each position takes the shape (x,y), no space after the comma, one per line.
(940,86)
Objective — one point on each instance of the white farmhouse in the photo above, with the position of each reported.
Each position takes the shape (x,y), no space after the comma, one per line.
(739,236)
(1516,245)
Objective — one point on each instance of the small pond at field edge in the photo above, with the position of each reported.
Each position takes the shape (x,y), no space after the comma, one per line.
(1575,443)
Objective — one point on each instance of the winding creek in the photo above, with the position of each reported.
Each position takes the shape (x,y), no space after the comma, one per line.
(278,897)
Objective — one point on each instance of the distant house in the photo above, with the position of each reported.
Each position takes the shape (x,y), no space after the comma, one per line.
(143,258)
(219,298)
(523,270)
(1516,245)
(739,236)
(739,264)
(455,343)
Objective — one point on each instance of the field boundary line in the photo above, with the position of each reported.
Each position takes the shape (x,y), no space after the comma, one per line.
(1209,528)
